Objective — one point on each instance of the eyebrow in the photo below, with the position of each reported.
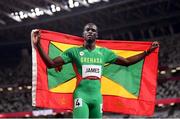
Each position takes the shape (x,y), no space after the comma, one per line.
(90,27)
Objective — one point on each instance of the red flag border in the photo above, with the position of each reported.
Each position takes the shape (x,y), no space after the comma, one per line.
(77,40)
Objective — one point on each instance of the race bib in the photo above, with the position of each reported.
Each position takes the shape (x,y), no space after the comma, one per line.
(91,70)
(78,102)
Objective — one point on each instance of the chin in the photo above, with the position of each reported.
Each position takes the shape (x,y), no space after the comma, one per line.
(90,40)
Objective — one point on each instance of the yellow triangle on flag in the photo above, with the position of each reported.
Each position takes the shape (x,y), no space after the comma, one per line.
(62,46)
(109,87)
(126,53)
(67,87)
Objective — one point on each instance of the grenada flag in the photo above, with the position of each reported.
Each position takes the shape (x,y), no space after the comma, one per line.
(128,90)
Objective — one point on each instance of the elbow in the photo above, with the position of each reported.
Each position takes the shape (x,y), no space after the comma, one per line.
(49,66)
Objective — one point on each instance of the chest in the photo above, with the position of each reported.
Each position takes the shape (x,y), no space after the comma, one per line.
(83,56)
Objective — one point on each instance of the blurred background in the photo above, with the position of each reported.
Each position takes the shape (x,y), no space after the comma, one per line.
(132,20)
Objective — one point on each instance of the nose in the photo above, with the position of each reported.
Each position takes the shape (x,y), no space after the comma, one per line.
(90,31)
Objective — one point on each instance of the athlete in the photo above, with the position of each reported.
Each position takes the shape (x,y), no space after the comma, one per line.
(88,60)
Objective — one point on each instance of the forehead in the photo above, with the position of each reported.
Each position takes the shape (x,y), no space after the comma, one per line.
(90,26)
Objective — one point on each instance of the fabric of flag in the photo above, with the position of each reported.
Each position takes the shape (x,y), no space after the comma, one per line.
(128,90)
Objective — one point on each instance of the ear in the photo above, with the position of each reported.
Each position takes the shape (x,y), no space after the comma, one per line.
(83,34)
(96,35)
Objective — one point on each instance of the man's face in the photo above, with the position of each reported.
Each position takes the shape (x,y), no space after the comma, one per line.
(90,32)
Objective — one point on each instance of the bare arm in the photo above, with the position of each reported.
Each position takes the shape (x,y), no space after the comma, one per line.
(56,62)
(136,58)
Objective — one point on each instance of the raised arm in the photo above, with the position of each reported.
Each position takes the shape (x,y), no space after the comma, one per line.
(50,63)
(136,58)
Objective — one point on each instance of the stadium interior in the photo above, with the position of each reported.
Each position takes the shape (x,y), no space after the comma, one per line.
(129,20)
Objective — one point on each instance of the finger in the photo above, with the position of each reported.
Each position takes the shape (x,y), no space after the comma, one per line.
(58,69)
(35,31)
(155,46)
(155,43)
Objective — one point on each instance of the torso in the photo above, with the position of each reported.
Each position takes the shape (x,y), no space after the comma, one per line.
(89,63)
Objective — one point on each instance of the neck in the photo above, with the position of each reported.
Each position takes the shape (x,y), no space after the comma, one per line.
(89,45)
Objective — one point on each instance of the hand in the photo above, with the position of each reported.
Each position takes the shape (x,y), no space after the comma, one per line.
(58,69)
(35,35)
(153,46)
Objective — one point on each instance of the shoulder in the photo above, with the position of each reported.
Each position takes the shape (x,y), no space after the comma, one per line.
(72,49)
(107,51)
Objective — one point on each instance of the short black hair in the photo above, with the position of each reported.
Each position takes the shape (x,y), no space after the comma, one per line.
(91,25)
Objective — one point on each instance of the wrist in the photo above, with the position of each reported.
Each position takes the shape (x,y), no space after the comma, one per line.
(38,44)
(147,52)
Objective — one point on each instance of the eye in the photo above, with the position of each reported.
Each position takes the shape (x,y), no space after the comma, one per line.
(93,30)
(88,29)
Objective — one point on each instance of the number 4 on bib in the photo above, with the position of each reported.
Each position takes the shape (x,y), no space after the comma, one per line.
(78,102)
